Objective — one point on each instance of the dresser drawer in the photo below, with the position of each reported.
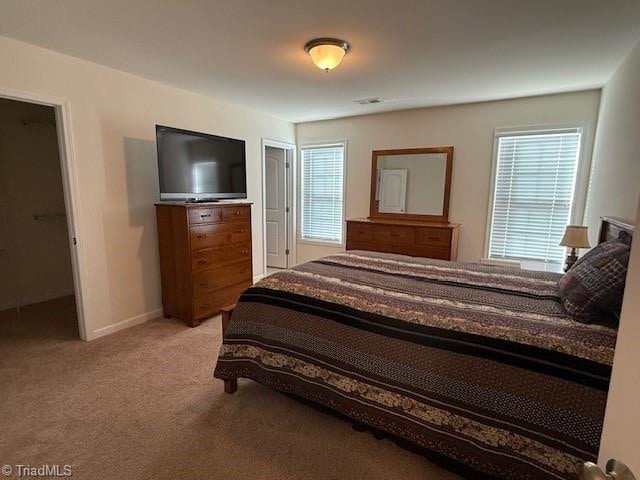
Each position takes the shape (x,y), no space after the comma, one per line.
(359,232)
(218,256)
(211,280)
(431,251)
(205,236)
(236,213)
(433,236)
(370,246)
(394,235)
(204,215)
(207,305)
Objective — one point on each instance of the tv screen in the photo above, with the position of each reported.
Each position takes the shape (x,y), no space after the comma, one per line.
(199,166)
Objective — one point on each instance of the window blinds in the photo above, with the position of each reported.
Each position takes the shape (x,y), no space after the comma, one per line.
(533,196)
(322,193)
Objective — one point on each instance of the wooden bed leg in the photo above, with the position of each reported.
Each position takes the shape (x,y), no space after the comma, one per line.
(230,386)
(226,316)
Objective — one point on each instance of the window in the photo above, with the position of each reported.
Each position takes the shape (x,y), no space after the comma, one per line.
(321,192)
(535,177)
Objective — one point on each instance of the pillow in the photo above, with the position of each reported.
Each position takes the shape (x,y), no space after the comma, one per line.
(591,292)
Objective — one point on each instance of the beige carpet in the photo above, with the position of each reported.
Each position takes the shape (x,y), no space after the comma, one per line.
(142,404)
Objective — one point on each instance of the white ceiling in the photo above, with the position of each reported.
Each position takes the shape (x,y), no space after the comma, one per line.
(409,53)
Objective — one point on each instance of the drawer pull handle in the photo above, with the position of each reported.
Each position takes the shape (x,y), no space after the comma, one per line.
(244,252)
(242,230)
(205,215)
(201,236)
(236,212)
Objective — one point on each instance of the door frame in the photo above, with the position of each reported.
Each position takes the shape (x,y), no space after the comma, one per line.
(290,189)
(70,187)
(380,192)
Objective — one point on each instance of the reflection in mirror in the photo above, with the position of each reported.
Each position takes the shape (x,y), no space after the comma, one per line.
(411,183)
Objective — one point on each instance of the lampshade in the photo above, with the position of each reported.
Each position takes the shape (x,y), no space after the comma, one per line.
(326,53)
(575,236)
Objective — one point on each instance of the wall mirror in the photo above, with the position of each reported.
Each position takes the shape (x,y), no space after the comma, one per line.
(411,184)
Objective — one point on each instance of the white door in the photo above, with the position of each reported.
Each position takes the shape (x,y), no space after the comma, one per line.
(393,190)
(275,207)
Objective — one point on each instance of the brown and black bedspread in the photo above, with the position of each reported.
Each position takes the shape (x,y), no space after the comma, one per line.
(477,363)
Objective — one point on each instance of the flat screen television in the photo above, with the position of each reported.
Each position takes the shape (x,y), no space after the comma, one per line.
(196,166)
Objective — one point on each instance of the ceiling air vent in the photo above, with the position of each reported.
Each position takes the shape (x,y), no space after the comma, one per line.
(368,101)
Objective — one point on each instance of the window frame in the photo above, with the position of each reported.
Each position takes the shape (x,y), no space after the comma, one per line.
(300,192)
(580,189)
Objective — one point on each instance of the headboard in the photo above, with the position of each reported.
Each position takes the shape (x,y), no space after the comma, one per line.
(614,228)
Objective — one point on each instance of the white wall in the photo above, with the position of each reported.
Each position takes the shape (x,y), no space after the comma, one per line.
(618,156)
(113,116)
(34,254)
(469,128)
(615,183)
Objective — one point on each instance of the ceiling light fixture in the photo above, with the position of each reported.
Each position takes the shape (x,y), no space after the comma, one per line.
(327,53)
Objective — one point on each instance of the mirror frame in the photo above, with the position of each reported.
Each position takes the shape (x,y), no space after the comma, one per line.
(373,203)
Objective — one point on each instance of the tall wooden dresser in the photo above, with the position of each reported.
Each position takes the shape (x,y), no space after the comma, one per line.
(205,257)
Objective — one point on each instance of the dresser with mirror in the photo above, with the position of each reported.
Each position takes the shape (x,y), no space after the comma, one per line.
(409,205)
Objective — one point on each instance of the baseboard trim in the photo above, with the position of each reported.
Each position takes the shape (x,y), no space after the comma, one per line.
(138,319)
(126,323)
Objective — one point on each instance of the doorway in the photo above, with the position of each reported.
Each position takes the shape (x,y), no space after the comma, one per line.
(38,285)
(392,190)
(278,223)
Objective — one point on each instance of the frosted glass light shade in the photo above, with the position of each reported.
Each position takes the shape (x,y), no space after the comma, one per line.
(327,53)
(327,57)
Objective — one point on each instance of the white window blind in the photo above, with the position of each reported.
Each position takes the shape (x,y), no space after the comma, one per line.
(321,193)
(533,195)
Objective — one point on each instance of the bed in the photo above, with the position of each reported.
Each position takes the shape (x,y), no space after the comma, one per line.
(474,363)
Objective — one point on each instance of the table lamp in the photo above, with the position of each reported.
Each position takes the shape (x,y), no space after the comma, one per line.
(575,236)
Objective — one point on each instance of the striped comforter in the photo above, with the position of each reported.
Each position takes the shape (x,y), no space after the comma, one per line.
(476,363)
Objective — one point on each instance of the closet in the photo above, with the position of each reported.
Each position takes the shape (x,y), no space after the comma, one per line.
(34,250)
